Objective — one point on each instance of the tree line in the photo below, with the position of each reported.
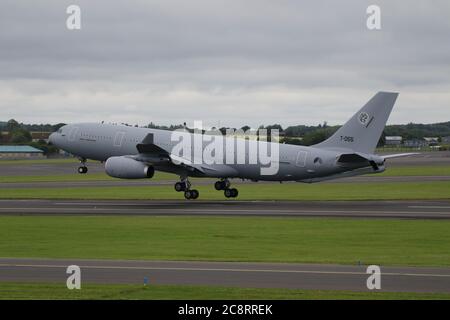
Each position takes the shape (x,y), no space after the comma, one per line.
(19,133)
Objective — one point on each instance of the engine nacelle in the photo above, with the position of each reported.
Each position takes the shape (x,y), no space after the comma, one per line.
(127,168)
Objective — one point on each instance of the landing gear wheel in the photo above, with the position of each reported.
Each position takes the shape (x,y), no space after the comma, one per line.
(219,185)
(228,193)
(82,170)
(180,186)
(191,194)
(194,194)
(231,193)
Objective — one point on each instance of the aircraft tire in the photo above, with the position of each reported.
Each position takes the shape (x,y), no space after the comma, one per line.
(194,194)
(188,194)
(219,185)
(82,170)
(228,193)
(179,186)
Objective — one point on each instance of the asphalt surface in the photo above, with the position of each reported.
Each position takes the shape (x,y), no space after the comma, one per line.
(41,169)
(257,275)
(247,275)
(350,209)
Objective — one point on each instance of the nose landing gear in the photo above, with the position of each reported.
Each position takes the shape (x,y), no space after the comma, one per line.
(82,169)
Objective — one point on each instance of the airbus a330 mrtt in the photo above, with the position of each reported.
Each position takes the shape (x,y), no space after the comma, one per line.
(136,153)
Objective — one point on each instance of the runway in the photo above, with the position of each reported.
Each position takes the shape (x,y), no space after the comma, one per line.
(247,275)
(336,209)
(42,169)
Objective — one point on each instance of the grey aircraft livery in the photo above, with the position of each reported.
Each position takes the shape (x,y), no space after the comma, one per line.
(136,153)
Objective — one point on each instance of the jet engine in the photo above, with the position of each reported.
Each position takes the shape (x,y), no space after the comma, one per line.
(128,168)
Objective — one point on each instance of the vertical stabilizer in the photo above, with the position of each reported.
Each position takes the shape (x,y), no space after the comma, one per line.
(362,132)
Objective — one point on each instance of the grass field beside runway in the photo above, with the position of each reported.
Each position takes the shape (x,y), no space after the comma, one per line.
(259,239)
(264,191)
(425,170)
(55,291)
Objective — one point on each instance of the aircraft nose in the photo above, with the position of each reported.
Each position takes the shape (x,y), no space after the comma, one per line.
(51,138)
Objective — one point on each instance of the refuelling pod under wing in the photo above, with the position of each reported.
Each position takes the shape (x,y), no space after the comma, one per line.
(128,168)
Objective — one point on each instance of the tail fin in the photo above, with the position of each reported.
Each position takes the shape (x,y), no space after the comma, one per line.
(362,132)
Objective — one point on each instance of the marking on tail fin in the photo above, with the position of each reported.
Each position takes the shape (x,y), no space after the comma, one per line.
(363,118)
(370,121)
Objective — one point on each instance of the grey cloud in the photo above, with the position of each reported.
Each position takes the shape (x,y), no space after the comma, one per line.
(254,61)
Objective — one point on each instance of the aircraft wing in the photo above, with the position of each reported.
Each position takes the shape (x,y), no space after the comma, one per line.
(155,155)
(158,158)
(152,154)
(348,158)
(398,155)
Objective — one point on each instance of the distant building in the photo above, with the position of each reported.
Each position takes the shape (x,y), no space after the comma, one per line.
(36,136)
(20,152)
(415,143)
(5,136)
(446,139)
(432,141)
(393,140)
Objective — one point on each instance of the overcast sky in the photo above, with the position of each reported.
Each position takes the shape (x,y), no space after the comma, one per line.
(227,62)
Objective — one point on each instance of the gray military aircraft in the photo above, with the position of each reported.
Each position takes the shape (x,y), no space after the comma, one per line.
(136,153)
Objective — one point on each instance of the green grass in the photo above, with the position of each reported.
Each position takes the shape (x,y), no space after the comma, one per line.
(54,291)
(435,170)
(261,191)
(269,239)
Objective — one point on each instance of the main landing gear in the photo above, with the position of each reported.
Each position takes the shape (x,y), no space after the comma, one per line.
(191,194)
(224,185)
(82,169)
(185,185)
